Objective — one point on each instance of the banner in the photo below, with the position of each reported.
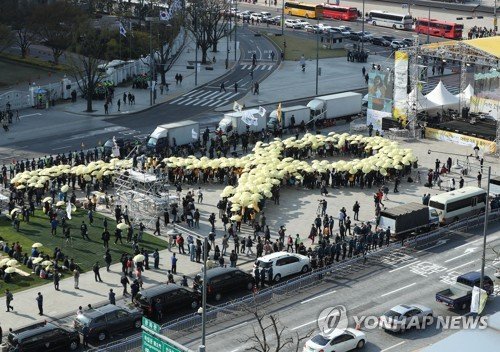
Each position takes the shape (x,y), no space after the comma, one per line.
(237,107)
(262,111)
(249,119)
(478,301)
(489,106)
(194,134)
(400,85)
(380,89)
(460,139)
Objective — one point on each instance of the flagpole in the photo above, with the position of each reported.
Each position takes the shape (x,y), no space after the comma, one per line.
(130,41)
(120,47)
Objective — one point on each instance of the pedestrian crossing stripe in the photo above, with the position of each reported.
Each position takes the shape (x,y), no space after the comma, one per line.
(208,98)
(257,68)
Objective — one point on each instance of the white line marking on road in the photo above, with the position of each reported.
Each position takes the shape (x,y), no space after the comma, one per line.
(312,299)
(467,252)
(439,243)
(66,146)
(467,244)
(301,326)
(404,266)
(270,67)
(35,114)
(396,345)
(227,329)
(461,265)
(399,289)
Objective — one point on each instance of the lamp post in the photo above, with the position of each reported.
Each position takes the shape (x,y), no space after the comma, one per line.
(317,59)
(235,31)
(485,227)
(204,296)
(196,48)
(363,28)
(282,17)
(429,26)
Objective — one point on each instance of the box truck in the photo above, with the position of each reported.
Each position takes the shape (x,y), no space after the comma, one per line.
(407,218)
(172,134)
(232,121)
(335,106)
(301,113)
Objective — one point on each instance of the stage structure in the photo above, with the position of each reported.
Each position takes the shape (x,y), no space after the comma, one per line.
(146,195)
(482,54)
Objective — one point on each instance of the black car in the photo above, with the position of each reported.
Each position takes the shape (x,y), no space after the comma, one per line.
(172,297)
(108,320)
(43,336)
(224,280)
(380,41)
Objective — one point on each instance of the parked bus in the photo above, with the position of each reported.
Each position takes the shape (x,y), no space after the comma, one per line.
(340,12)
(392,20)
(437,28)
(460,203)
(303,9)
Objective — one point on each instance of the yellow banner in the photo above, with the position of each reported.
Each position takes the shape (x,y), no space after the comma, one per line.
(483,144)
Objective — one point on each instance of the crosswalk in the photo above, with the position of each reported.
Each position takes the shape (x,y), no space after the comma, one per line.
(256,68)
(205,97)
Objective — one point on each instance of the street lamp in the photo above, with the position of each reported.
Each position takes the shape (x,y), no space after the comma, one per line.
(235,30)
(363,28)
(429,26)
(204,294)
(485,227)
(317,58)
(282,17)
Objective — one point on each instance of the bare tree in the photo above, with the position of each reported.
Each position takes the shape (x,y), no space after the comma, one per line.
(220,22)
(269,335)
(90,49)
(6,37)
(56,25)
(19,15)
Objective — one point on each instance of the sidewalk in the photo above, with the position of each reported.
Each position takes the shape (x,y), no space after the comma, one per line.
(142,96)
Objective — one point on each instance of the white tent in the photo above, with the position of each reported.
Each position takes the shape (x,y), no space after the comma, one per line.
(466,95)
(416,98)
(441,96)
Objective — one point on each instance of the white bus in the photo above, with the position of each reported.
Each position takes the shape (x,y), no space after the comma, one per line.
(392,20)
(460,203)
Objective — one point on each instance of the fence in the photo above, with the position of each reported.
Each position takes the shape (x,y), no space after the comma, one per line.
(230,310)
(62,89)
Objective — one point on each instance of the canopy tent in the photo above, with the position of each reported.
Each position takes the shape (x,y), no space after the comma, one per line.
(466,95)
(441,96)
(416,98)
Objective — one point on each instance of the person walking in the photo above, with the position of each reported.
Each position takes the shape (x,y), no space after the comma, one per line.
(479,177)
(39,301)
(249,245)
(156,259)
(355,209)
(173,261)
(105,238)
(236,87)
(124,281)
(107,259)
(233,258)
(112,297)
(157,227)
(56,280)
(95,269)
(76,277)
(222,87)
(9,297)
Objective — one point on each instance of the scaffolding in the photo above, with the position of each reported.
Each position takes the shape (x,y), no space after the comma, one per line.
(146,195)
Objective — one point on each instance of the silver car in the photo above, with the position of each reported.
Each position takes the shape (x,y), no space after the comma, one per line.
(406,316)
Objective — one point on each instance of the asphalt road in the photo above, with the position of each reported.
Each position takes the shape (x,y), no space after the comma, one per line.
(397,278)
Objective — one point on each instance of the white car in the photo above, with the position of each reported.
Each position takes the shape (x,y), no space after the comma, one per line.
(337,341)
(400,317)
(256,16)
(303,23)
(282,264)
(396,44)
(292,24)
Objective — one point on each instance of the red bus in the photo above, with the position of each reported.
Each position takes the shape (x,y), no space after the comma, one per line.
(340,12)
(439,28)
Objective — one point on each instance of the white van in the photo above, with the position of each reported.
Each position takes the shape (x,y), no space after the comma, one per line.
(457,204)
(283,264)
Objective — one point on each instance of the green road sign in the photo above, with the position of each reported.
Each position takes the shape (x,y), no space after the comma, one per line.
(155,344)
(151,325)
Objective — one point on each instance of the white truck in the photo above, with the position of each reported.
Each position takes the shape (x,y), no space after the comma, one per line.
(172,134)
(335,106)
(300,113)
(233,121)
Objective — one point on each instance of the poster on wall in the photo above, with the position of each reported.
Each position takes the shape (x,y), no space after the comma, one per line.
(380,89)
(374,117)
(401,85)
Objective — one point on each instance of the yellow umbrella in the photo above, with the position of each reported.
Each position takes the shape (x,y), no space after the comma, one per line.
(87,178)
(21,187)
(122,226)
(12,262)
(4,261)
(10,270)
(64,188)
(139,258)
(37,260)
(47,199)
(61,203)
(37,245)
(15,210)
(46,263)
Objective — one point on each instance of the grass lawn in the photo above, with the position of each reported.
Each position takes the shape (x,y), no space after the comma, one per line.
(85,252)
(297,46)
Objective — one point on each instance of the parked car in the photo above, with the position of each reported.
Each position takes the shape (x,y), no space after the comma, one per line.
(408,42)
(266,14)
(303,23)
(346,28)
(283,264)
(380,41)
(326,28)
(314,29)
(276,20)
(337,341)
(389,38)
(459,293)
(360,36)
(292,24)
(224,280)
(400,317)
(43,336)
(172,297)
(256,17)
(245,15)
(397,44)
(108,320)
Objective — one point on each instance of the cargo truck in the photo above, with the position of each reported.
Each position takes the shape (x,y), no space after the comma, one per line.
(301,113)
(459,294)
(172,134)
(335,106)
(408,218)
(232,121)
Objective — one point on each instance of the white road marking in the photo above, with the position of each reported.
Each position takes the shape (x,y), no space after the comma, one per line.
(467,252)
(35,114)
(316,297)
(66,146)
(301,326)
(396,345)
(404,266)
(399,289)
(439,243)
(461,265)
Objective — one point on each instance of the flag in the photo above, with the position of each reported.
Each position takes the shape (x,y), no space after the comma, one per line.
(194,134)
(68,210)
(262,111)
(236,106)
(278,112)
(248,118)
(478,301)
(164,15)
(123,31)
